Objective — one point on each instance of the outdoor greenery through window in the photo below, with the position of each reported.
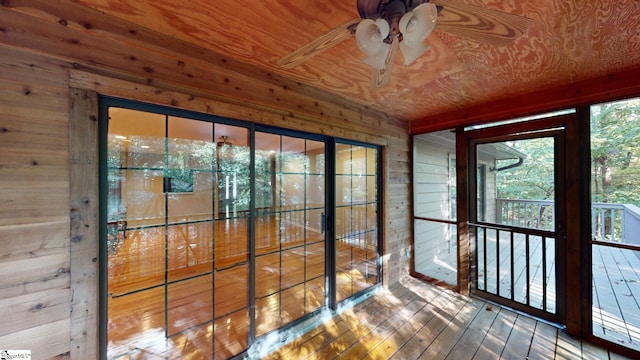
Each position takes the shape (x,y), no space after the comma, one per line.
(615,221)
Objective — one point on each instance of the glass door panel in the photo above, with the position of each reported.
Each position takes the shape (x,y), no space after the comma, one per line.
(356,220)
(176,274)
(615,222)
(514,223)
(135,230)
(230,203)
(188,190)
(290,243)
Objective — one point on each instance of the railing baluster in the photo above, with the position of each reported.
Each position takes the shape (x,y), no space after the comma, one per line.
(498,262)
(484,258)
(544,273)
(612,228)
(607,220)
(593,222)
(513,291)
(623,237)
(601,223)
(527,265)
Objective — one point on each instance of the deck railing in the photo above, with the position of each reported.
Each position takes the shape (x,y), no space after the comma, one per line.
(619,223)
(533,214)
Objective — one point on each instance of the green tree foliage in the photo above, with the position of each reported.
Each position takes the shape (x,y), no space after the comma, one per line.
(533,180)
(615,155)
(615,159)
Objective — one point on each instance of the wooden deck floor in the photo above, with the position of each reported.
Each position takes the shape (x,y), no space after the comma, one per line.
(414,320)
(616,295)
(616,285)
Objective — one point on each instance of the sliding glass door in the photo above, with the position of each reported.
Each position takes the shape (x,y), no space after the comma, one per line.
(216,233)
(176,231)
(289,224)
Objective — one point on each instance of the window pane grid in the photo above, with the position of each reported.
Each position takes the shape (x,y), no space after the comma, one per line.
(356,219)
(180,225)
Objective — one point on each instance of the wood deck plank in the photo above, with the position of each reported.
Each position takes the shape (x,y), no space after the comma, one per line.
(447,339)
(392,343)
(378,333)
(567,347)
(629,267)
(323,336)
(473,336)
(518,343)
(493,344)
(618,302)
(445,308)
(543,342)
(592,352)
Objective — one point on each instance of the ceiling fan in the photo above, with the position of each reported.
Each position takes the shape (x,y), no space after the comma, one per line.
(385,26)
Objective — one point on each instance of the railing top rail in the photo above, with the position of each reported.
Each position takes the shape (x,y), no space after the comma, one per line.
(632,210)
(600,205)
(542,202)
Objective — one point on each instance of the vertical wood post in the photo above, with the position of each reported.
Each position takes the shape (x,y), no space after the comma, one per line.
(462,199)
(83,135)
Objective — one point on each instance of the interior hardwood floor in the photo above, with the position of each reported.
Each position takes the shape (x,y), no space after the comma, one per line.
(174,292)
(414,320)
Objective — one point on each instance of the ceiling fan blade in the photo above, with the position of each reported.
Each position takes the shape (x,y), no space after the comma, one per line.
(380,77)
(324,42)
(476,23)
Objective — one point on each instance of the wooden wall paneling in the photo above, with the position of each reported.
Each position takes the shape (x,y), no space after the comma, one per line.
(84,184)
(151,94)
(26,275)
(399,177)
(34,193)
(29,311)
(48,341)
(26,161)
(39,239)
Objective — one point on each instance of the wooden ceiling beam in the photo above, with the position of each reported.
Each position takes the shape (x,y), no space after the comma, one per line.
(614,86)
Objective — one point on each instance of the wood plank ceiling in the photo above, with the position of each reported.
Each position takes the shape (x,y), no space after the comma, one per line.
(568,42)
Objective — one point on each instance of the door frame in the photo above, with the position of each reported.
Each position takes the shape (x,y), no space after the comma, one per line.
(568,179)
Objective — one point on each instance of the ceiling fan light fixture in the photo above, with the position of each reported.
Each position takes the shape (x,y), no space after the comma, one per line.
(415,27)
(378,61)
(412,52)
(370,37)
